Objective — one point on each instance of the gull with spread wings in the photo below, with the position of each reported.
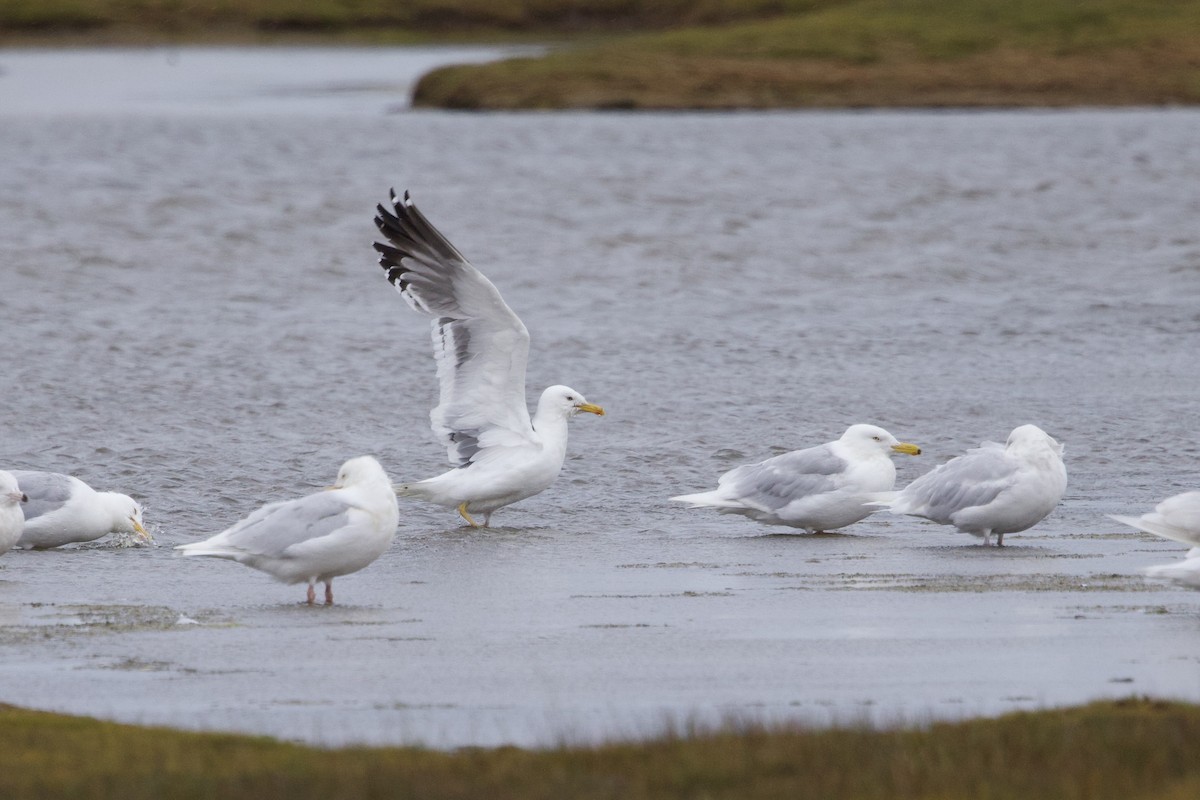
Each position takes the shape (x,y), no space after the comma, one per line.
(499,454)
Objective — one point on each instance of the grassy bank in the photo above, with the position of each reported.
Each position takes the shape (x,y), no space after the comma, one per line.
(1134,750)
(707,54)
(867,53)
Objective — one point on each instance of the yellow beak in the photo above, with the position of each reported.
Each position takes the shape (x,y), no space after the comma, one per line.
(591,408)
(142,533)
(907,449)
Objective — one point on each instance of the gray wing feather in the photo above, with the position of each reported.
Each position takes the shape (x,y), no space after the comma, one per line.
(274,528)
(47,491)
(480,345)
(973,479)
(776,482)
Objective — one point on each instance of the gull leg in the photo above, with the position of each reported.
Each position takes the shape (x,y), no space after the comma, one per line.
(312,594)
(462,509)
(999,540)
(329,592)
(987,538)
(487,520)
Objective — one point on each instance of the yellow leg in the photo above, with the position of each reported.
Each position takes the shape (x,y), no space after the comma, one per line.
(462,509)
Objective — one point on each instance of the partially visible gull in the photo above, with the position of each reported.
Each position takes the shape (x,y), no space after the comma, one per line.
(1176,518)
(992,489)
(499,454)
(817,489)
(63,509)
(12,518)
(318,537)
(1185,573)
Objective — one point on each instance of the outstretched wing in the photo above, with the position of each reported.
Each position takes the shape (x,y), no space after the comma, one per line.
(480,345)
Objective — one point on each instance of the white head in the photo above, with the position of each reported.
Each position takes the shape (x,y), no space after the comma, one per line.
(363,469)
(1029,439)
(566,401)
(10,493)
(126,513)
(869,439)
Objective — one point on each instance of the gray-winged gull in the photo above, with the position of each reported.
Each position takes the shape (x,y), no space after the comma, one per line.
(818,489)
(63,509)
(992,489)
(317,537)
(499,454)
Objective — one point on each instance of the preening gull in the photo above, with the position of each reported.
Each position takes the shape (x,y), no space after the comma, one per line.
(318,537)
(818,489)
(12,517)
(499,454)
(992,489)
(63,509)
(1176,518)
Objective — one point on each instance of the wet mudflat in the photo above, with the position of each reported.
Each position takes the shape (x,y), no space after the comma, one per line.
(191,313)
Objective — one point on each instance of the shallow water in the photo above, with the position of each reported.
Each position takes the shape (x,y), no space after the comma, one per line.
(192,313)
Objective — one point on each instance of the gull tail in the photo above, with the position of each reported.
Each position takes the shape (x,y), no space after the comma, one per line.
(886,500)
(712,499)
(207,548)
(1155,527)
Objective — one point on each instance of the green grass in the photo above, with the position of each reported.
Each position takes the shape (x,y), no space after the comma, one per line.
(1129,750)
(867,53)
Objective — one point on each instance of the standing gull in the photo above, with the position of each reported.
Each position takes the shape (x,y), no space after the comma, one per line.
(63,509)
(12,518)
(318,537)
(499,454)
(817,489)
(992,489)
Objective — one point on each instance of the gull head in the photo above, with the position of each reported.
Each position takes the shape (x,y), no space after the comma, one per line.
(356,471)
(567,401)
(1028,440)
(127,514)
(869,439)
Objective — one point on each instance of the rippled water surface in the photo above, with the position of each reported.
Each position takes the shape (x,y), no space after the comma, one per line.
(191,312)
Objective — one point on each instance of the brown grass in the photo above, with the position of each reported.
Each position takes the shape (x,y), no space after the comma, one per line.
(1130,750)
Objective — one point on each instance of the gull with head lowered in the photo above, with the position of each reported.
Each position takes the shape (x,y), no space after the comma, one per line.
(500,455)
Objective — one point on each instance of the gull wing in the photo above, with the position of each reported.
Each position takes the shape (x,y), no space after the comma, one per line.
(47,492)
(273,529)
(973,479)
(772,484)
(480,345)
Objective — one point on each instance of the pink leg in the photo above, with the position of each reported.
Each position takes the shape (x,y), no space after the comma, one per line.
(312,594)
(329,592)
